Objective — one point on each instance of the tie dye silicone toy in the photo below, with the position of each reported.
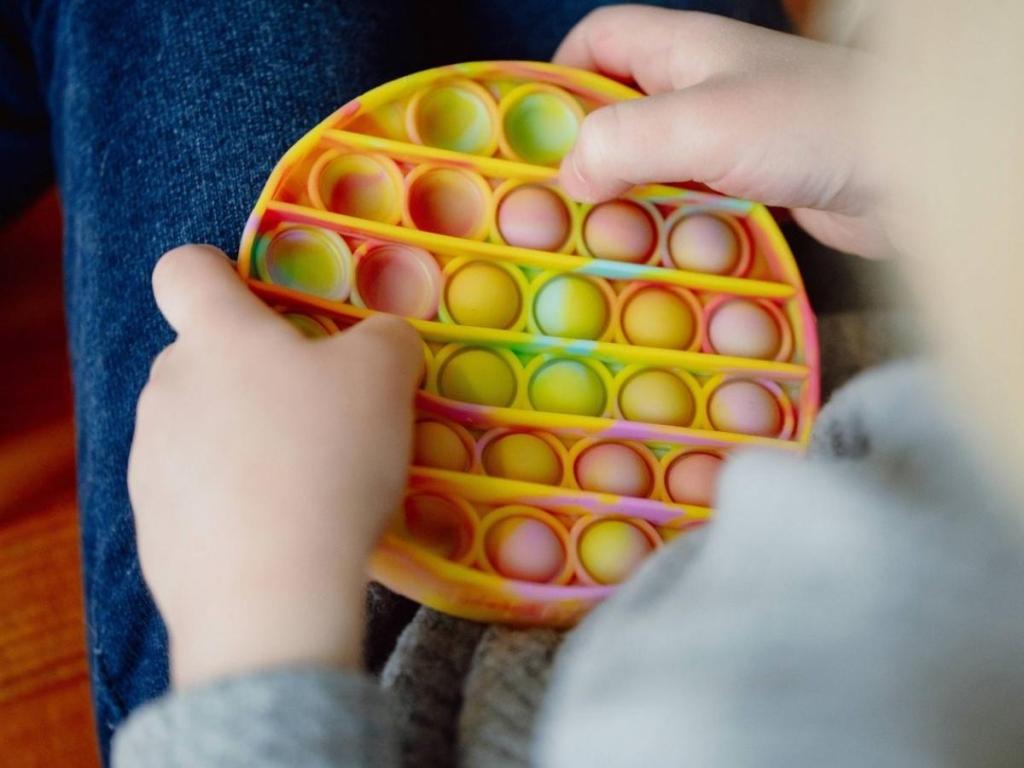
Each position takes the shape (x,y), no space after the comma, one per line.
(588,368)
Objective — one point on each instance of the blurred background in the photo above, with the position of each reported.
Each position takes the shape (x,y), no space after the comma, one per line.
(45,713)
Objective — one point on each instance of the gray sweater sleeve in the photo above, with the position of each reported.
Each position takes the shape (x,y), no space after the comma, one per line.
(861,607)
(300,718)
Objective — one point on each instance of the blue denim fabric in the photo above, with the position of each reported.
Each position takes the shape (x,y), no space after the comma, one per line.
(165,119)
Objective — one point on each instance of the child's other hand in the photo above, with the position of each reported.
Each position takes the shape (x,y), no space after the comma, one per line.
(263,469)
(749,112)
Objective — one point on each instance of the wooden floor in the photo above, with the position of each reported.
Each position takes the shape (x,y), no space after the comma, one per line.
(45,715)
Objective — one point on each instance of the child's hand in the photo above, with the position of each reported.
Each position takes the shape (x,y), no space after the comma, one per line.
(263,468)
(749,112)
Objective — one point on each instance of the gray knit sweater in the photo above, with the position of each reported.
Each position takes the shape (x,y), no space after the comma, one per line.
(862,607)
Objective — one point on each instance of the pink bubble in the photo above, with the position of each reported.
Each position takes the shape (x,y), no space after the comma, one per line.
(745,329)
(532,216)
(704,243)
(746,407)
(399,279)
(614,468)
(620,230)
(522,547)
(692,478)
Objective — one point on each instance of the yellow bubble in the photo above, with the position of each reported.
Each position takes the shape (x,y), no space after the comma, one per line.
(567,386)
(522,456)
(439,445)
(306,325)
(610,550)
(483,295)
(658,317)
(657,397)
(456,117)
(571,306)
(477,375)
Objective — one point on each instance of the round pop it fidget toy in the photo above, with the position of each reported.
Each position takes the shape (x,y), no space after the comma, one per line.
(588,367)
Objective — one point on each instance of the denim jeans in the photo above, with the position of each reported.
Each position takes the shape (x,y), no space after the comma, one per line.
(161,119)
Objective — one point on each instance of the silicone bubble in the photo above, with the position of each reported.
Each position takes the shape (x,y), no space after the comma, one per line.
(460,116)
(659,316)
(483,294)
(746,407)
(522,543)
(620,230)
(440,525)
(609,550)
(478,375)
(306,259)
(523,456)
(309,327)
(745,329)
(614,468)
(657,397)
(691,479)
(367,186)
(567,386)
(534,216)
(440,445)
(704,242)
(571,306)
(539,124)
(400,279)
(448,201)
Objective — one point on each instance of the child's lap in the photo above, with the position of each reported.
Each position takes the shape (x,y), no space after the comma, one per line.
(166,120)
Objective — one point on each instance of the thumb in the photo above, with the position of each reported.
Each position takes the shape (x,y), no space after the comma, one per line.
(197,289)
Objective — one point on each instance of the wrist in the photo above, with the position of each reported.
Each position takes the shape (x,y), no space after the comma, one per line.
(254,633)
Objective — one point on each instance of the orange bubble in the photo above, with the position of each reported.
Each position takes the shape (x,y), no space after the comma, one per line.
(657,397)
(692,478)
(658,317)
(525,548)
(522,456)
(746,407)
(449,201)
(364,186)
(439,445)
(614,468)
(439,525)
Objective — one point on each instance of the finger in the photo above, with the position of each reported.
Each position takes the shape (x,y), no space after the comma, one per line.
(657,48)
(670,137)
(197,289)
(388,354)
(794,157)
